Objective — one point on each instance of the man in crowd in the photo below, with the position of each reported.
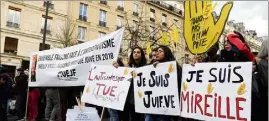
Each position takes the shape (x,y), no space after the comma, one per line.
(53,102)
(262,60)
(5,92)
(21,90)
(152,55)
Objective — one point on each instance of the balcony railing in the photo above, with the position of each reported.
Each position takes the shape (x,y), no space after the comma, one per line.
(48,31)
(102,23)
(103,2)
(11,24)
(82,18)
(167,6)
(120,8)
(135,13)
(118,27)
(51,6)
(11,52)
(152,19)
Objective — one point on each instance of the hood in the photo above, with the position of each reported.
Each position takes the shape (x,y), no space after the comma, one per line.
(235,40)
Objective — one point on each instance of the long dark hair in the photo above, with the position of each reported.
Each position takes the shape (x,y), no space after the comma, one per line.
(119,61)
(143,60)
(168,55)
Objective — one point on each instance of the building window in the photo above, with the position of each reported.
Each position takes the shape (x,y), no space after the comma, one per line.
(135,12)
(101,34)
(103,2)
(152,15)
(83,12)
(151,31)
(11,45)
(164,20)
(49,21)
(102,18)
(47,47)
(82,33)
(135,25)
(51,6)
(13,17)
(120,5)
(119,22)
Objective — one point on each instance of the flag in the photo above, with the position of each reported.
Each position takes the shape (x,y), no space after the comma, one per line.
(164,39)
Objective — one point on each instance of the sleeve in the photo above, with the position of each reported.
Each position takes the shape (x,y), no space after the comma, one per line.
(263,51)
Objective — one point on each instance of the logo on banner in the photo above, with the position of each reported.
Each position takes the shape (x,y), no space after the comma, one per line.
(67,75)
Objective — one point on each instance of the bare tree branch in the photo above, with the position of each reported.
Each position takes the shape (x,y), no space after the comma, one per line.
(66,34)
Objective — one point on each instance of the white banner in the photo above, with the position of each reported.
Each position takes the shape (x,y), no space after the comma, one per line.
(107,86)
(156,89)
(70,66)
(216,91)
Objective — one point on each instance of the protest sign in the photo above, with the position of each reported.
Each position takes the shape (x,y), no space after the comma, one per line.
(76,115)
(107,86)
(70,66)
(216,91)
(156,89)
(201,29)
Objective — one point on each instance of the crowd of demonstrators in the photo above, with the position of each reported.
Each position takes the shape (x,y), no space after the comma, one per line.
(235,49)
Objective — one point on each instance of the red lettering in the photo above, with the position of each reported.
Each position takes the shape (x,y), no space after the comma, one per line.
(215,105)
(198,99)
(206,106)
(90,75)
(102,73)
(184,98)
(238,108)
(112,90)
(228,109)
(99,87)
(105,92)
(192,101)
(219,108)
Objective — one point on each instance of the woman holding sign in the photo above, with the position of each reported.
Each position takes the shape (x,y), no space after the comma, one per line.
(164,54)
(137,59)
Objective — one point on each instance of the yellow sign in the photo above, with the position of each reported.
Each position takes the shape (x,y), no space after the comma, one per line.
(164,38)
(202,32)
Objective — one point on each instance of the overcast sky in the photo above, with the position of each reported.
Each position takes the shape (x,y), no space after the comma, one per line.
(253,13)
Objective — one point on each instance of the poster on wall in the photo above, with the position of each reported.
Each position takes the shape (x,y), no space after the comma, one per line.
(156,89)
(216,91)
(70,66)
(107,86)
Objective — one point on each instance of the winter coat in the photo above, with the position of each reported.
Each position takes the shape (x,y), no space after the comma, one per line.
(5,88)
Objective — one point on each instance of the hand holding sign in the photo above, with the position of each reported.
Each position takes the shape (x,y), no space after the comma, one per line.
(200,33)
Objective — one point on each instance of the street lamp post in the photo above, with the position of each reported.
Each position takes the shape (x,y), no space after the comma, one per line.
(45,25)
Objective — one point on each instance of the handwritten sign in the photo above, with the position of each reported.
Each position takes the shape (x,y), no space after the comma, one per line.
(216,91)
(70,66)
(202,32)
(156,90)
(107,86)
